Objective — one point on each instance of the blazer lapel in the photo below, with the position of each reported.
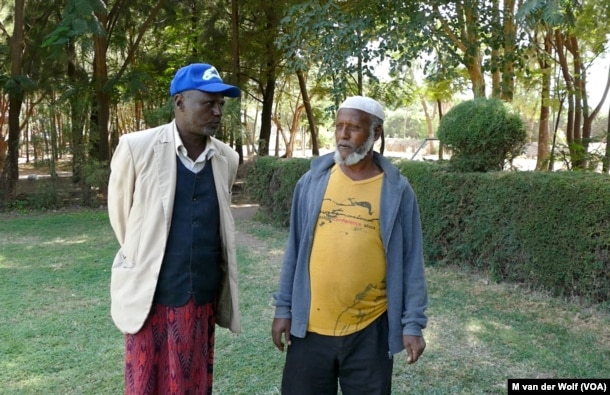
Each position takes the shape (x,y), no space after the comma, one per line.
(165,161)
(221,175)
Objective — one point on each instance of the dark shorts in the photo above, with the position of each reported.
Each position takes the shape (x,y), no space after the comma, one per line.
(361,363)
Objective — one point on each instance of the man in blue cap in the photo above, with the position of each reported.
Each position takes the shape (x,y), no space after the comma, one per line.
(175,275)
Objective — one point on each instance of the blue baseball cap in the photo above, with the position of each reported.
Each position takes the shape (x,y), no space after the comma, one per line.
(203,77)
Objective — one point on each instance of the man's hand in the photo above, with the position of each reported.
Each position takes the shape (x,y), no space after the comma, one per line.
(280,326)
(415,346)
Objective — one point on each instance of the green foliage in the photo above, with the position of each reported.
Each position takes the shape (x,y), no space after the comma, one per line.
(404,124)
(96,174)
(79,17)
(482,134)
(159,115)
(354,30)
(547,230)
(18,85)
(270,181)
(41,194)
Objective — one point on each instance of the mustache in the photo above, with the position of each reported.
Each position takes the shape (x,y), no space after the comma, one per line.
(346,144)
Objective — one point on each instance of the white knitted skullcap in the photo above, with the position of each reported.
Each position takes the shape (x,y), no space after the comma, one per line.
(365,104)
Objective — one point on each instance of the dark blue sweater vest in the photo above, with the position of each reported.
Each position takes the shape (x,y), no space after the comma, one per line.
(191,264)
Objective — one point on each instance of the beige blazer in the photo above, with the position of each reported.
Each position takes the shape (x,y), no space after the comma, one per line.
(141,194)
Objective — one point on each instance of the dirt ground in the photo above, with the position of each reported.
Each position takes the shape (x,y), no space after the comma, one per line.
(244,211)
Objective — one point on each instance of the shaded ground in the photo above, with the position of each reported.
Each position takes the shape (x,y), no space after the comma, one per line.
(241,214)
(244,211)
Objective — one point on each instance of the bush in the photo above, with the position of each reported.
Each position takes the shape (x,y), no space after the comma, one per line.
(550,231)
(270,181)
(482,134)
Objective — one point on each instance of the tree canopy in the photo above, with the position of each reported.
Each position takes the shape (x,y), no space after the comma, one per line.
(76,74)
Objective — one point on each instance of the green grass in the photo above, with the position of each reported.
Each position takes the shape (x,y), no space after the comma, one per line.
(56,335)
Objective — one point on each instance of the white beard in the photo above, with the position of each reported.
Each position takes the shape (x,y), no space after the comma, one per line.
(358,154)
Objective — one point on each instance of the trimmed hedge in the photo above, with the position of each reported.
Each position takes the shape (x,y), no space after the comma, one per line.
(270,182)
(483,135)
(548,230)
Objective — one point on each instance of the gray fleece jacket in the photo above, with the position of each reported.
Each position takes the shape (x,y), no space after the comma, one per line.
(402,240)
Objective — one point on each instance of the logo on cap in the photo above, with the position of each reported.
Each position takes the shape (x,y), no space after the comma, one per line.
(211,74)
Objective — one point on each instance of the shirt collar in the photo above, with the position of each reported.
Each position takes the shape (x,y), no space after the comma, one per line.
(181,151)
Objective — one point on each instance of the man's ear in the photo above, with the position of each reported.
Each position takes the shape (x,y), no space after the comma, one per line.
(179,101)
(378,132)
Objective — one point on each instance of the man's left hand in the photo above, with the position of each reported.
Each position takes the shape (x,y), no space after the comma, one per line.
(414,345)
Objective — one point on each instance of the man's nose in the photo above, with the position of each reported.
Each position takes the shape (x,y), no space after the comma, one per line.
(217,109)
(342,133)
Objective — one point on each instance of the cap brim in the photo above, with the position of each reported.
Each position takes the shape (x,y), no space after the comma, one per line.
(217,87)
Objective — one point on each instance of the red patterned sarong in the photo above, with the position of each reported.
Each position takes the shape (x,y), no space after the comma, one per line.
(173,353)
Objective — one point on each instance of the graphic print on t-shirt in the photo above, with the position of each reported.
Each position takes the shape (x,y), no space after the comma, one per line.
(349,213)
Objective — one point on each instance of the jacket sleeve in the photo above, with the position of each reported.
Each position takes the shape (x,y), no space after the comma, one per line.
(414,283)
(121,188)
(283,297)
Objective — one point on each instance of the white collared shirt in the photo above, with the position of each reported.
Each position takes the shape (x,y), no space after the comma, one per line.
(197,165)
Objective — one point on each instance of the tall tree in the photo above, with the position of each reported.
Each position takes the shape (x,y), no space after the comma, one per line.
(10,172)
(509,49)
(109,24)
(315,149)
(460,22)
(577,38)
(260,60)
(235,78)
(271,17)
(350,29)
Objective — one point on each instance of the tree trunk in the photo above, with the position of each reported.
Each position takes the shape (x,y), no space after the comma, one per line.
(606,165)
(102,96)
(473,65)
(76,118)
(54,139)
(272,17)
(508,65)
(360,77)
(440,117)
(10,171)
(496,74)
(543,126)
(571,128)
(294,129)
(235,80)
(266,114)
(472,51)
(581,140)
(431,150)
(3,143)
(606,160)
(315,150)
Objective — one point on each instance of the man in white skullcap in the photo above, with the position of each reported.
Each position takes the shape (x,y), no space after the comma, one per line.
(352,289)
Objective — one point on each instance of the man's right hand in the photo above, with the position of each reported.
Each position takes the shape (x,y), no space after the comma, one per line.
(280,326)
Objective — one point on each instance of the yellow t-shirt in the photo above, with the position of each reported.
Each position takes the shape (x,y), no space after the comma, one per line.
(347,267)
